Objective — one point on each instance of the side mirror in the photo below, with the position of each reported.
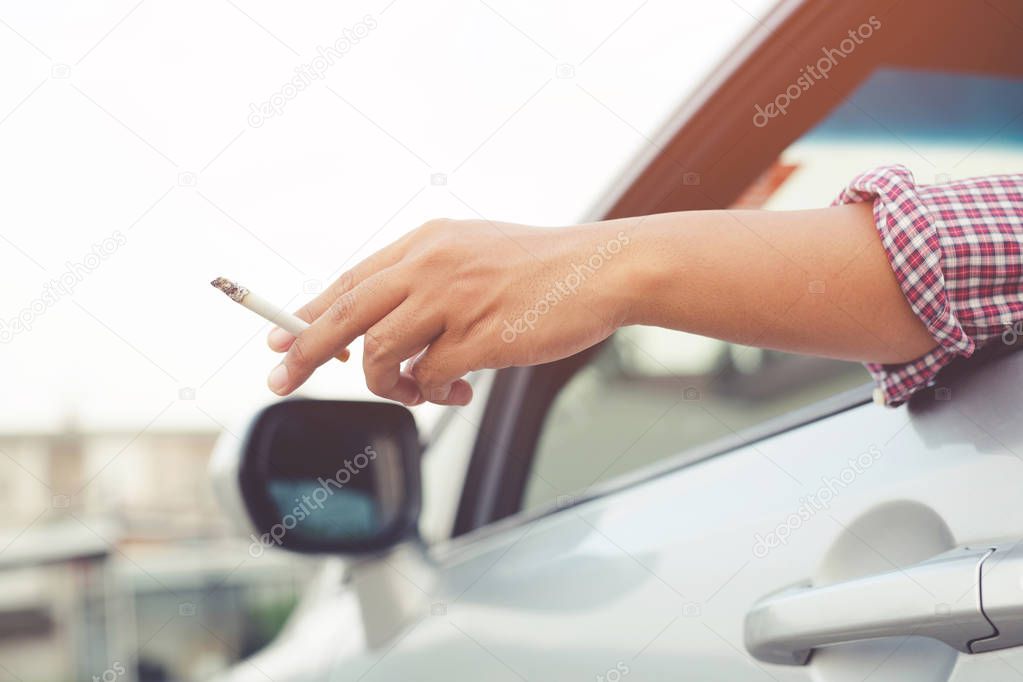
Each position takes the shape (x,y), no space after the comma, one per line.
(327,476)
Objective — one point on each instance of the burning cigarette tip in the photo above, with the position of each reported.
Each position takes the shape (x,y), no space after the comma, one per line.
(234,291)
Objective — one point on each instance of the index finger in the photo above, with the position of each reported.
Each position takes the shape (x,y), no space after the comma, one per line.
(346,319)
(280,340)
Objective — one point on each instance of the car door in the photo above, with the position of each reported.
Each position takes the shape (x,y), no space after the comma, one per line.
(654,579)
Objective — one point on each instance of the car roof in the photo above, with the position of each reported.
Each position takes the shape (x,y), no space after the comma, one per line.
(947,35)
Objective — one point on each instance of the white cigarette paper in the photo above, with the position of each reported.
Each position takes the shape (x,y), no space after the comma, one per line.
(267,310)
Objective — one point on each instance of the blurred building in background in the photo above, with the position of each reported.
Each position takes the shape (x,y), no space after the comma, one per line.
(126,572)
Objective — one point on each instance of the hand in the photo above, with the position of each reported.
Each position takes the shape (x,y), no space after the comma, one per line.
(459,296)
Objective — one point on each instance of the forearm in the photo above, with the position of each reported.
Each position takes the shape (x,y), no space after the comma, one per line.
(814,281)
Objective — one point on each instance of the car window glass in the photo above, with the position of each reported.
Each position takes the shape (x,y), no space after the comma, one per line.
(651,393)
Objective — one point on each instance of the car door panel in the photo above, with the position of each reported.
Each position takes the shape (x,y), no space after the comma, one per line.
(657,579)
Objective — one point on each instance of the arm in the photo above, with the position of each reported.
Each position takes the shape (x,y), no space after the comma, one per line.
(814,282)
(479,294)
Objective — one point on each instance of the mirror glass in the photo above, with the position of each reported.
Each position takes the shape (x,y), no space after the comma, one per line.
(332,475)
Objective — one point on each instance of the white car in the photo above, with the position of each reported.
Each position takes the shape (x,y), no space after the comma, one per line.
(664,506)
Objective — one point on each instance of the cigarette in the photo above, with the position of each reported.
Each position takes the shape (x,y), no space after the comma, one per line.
(267,310)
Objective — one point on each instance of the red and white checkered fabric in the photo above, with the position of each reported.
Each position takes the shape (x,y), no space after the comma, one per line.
(957,251)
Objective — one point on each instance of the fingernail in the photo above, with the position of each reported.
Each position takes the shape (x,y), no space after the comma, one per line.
(417,398)
(279,337)
(278,379)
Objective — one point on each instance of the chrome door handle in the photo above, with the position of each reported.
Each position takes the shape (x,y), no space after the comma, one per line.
(1002,598)
(944,603)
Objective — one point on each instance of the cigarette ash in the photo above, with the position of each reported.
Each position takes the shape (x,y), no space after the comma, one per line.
(234,291)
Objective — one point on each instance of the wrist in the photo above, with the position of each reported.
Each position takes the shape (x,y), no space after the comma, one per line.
(637,276)
(626,287)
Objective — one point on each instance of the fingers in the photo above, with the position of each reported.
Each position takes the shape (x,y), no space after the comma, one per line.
(347,318)
(280,340)
(399,336)
(438,372)
(458,392)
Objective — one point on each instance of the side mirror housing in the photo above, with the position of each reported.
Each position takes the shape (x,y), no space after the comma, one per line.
(325,476)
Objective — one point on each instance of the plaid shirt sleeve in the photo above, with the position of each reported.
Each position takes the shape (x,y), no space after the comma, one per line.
(957,252)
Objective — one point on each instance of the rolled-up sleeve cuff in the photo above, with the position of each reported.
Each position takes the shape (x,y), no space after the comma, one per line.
(910,237)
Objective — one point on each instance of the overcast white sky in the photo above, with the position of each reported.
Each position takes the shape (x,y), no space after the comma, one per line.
(108,111)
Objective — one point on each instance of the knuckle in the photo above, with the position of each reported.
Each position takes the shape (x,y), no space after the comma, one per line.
(425,374)
(464,290)
(373,347)
(434,226)
(438,255)
(298,353)
(344,283)
(342,309)
(475,332)
(376,385)
(435,258)
(482,356)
